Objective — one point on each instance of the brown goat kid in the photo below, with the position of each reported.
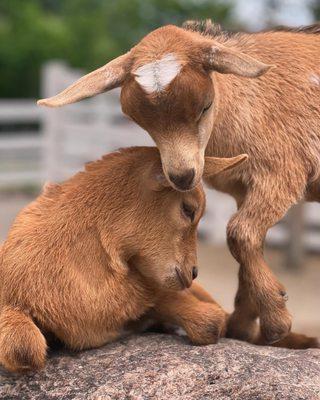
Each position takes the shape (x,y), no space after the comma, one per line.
(188,88)
(98,251)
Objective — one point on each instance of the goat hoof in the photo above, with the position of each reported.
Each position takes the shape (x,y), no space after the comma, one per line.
(275,335)
(241,329)
(275,326)
(271,339)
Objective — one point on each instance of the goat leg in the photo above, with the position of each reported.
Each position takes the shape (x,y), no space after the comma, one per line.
(259,293)
(204,322)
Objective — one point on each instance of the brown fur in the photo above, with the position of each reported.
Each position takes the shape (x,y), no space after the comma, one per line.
(274,118)
(98,251)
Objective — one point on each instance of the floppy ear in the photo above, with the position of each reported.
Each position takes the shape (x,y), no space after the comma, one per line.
(101,80)
(229,61)
(214,165)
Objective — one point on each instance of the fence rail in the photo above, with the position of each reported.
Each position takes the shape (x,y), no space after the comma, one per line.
(17,111)
(23,140)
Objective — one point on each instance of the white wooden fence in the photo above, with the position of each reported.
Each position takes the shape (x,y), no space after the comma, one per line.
(70,136)
(20,153)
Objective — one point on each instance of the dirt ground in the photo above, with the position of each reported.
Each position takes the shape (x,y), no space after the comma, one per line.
(218,273)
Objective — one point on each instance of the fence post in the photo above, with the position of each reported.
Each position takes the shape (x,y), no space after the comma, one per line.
(51,83)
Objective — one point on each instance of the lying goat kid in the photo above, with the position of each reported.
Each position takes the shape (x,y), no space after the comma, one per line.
(98,251)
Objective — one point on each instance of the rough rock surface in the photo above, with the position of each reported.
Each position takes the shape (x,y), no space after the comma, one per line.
(154,366)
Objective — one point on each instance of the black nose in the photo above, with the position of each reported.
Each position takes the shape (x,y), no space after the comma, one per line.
(183,181)
(194,272)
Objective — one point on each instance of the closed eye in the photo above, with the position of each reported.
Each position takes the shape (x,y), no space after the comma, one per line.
(206,108)
(188,211)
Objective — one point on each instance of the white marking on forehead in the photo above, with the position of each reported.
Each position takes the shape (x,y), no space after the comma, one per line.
(314,79)
(156,75)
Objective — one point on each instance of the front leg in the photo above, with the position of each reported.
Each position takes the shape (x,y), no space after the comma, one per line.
(204,322)
(259,293)
(200,293)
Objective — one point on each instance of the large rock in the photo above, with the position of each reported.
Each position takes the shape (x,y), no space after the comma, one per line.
(154,366)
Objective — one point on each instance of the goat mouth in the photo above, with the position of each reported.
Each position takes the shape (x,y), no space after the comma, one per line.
(182,279)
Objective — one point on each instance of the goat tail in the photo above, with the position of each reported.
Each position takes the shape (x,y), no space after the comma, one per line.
(22,345)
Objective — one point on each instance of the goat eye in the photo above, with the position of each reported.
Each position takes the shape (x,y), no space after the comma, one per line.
(188,211)
(206,108)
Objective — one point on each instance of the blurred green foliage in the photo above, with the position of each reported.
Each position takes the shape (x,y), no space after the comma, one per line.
(85,33)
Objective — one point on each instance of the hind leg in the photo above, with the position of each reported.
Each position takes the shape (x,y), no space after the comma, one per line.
(22,345)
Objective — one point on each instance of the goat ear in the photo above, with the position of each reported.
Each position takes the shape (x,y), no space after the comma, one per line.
(228,61)
(214,165)
(101,80)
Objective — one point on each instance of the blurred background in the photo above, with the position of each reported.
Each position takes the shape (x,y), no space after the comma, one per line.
(47,44)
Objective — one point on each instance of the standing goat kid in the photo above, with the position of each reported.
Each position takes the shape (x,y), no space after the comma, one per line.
(100,250)
(189,88)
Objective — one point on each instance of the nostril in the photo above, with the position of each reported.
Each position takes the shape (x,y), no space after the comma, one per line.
(183,181)
(194,272)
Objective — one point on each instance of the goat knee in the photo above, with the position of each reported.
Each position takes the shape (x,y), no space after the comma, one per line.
(243,240)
